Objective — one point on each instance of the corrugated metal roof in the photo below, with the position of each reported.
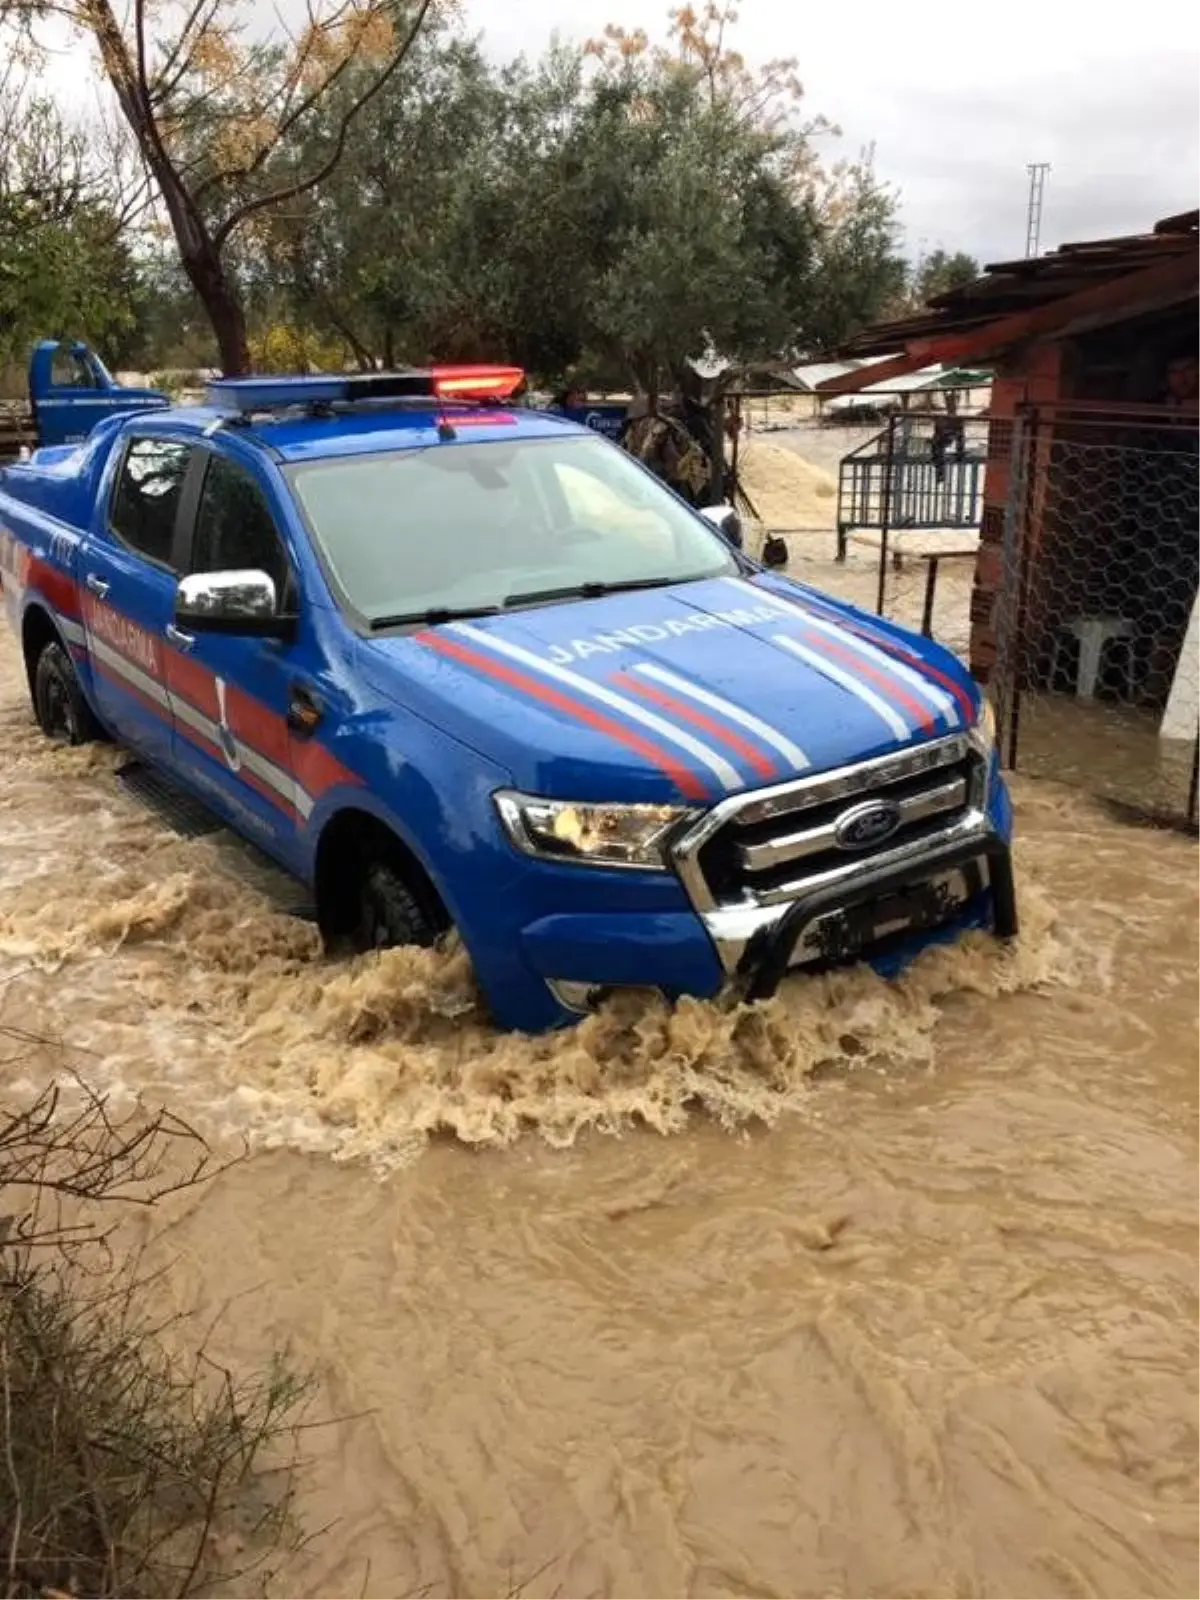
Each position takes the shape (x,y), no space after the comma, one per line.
(927,379)
(813,373)
(1007,287)
(909,383)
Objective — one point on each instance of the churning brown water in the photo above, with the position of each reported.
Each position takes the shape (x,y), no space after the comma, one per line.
(883,1290)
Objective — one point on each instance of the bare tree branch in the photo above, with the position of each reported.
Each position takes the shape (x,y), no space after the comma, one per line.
(321,90)
(179,57)
(302,185)
(125,1466)
(191,96)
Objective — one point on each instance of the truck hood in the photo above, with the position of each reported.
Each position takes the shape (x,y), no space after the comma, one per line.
(689,692)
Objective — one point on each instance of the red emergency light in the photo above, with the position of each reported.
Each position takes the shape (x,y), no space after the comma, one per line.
(476,383)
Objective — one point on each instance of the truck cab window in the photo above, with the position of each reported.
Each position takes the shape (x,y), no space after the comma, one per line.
(235,530)
(146,499)
(71,370)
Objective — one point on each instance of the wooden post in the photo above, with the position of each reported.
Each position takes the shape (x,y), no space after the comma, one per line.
(717,487)
(885,514)
(1025,535)
(931,577)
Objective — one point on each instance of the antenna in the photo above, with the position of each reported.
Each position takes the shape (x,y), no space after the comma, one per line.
(1037,171)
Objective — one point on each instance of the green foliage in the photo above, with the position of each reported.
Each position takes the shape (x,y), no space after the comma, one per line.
(58,278)
(939,273)
(64,265)
(284,347)
(862,274)
(612,210)
(615,209)
(699,240)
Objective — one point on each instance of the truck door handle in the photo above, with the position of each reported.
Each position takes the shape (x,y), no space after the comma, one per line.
(176,636)
(97,585)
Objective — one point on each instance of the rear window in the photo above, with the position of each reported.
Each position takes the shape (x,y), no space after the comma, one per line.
(146,499)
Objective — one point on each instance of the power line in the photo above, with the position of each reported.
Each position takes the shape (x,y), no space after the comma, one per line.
(1037,171)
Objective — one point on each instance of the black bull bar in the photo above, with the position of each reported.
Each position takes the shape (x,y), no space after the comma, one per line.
(768,954)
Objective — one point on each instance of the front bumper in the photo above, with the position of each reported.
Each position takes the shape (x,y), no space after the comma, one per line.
(748,951)
(757,947)
(797,923)
(883,911)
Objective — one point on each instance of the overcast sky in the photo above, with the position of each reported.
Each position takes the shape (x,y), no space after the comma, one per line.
(1107,94)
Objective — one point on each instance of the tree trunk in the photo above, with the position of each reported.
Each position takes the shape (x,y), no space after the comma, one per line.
(362,355)
(200,256)
(325,307)
(209,277)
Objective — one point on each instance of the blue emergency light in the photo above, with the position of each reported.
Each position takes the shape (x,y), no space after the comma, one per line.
(250,395)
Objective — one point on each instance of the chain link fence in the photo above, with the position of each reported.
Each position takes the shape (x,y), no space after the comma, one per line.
(1078,607)
(1097,671)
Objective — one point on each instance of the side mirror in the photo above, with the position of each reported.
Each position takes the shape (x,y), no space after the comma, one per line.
(774,551)
(726,521)
(242,602)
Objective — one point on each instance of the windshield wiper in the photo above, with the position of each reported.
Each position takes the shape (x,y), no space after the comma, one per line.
(432,616)
(573,591)
(593,591)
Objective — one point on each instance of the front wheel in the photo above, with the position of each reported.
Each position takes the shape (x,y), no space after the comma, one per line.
(388,912)
(62,713)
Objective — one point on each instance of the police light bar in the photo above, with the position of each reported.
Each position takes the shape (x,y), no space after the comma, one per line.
(250,395)
(477,383)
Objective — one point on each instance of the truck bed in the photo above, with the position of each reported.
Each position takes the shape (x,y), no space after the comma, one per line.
(16,429)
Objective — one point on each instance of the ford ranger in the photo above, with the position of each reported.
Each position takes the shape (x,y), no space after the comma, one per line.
(462,666)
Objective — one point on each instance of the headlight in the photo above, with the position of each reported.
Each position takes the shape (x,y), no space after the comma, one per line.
(602,836)
(984,731)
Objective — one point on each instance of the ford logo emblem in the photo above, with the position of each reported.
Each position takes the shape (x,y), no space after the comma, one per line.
(867,825)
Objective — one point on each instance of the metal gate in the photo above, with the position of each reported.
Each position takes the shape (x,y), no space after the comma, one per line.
(922,471)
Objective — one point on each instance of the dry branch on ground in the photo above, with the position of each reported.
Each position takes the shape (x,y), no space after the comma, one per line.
(124,1469)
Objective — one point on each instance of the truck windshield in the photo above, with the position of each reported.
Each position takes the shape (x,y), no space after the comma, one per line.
(450,527)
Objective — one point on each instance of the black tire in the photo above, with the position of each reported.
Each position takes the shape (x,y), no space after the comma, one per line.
(389,913)
(62,712)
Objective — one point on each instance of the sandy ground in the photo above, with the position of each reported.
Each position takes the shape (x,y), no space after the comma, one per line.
(787,490)
(797,496)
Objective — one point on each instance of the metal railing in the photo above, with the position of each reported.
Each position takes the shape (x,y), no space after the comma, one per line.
(923,471)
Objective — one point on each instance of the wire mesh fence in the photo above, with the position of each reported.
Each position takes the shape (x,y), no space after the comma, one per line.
(1097,673)
(1074,598)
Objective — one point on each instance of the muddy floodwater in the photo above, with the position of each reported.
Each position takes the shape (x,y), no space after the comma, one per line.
(873,1290)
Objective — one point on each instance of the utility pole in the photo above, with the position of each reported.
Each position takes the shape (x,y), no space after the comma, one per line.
(1037,171)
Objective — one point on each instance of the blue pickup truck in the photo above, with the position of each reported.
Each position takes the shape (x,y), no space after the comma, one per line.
(70,390)
(459,665)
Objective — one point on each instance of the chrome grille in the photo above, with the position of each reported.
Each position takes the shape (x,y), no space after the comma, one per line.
(767,846)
